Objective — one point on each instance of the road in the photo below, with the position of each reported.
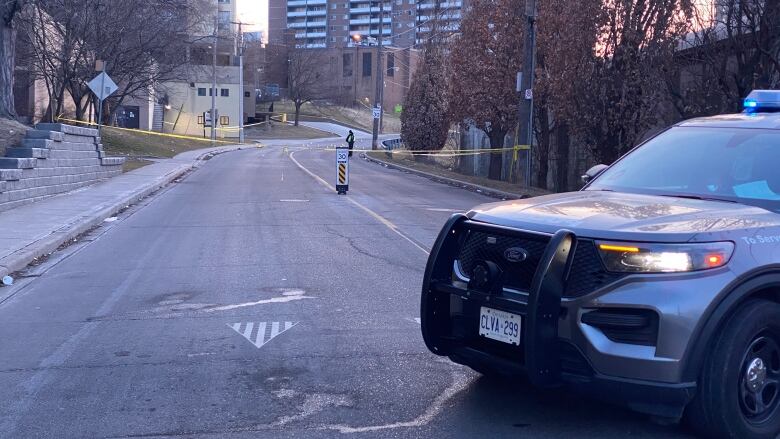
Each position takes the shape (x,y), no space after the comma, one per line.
(249,300)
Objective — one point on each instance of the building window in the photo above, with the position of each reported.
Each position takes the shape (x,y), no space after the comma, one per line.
(247,94)
(390,64)
(225,92)
(366,64)
(346,65)
(224,1)
(346,27)
(201,91)
(224,120)
(224,17)
(346,16)
(334,5)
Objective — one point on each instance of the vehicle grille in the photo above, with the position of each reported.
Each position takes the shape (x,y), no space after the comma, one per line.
(476,247)
(587,272)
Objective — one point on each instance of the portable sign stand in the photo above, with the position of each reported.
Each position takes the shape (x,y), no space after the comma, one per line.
(342,170)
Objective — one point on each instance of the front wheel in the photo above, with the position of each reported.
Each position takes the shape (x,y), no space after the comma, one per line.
(739,388)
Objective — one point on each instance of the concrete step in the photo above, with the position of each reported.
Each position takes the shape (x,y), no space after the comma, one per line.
(51,144)
(109,161)
(50,163)
(38,153)
(10,174)
(71,154)
(30,183)
(62,170)
(67,129)
(73,138)
(17,163)
(42,134)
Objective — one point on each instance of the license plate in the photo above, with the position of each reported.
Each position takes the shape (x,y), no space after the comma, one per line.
(499,325)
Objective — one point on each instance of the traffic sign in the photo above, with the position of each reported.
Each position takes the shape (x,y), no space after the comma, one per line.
(529,94)
(342,170)
(376,112)
(102,85)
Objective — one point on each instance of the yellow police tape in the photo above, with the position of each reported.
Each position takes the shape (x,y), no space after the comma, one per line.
(457,153)
(153,133)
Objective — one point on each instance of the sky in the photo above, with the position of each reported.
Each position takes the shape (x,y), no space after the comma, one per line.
(255,12)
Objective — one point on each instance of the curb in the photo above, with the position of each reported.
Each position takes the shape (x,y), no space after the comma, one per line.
(48,244)
(495,193)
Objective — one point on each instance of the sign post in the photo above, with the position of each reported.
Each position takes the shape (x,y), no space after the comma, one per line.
(342,170)
(103,86)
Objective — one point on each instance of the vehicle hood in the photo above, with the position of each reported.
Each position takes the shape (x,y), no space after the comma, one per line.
(624,216)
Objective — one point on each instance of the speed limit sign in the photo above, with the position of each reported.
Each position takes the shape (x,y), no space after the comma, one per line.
(342,170)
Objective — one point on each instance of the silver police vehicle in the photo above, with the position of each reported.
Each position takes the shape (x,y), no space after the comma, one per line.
(656,286)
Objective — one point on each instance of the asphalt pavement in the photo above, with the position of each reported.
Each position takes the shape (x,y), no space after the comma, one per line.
(249,300)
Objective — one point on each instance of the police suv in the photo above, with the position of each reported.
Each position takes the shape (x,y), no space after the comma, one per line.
(656,286)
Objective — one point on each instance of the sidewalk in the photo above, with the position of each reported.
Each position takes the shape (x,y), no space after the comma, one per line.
(39,228)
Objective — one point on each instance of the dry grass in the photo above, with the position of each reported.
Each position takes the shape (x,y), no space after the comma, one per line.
(133,163)
(278,130)
(358,117)
(139,144)
(11,134)
(431,165)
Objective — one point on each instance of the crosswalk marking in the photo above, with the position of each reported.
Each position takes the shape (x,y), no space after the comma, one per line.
(263,334)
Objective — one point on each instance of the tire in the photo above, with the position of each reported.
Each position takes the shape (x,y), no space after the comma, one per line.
(731,403)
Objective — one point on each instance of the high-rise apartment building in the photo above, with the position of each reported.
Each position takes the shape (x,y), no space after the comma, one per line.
(332,23)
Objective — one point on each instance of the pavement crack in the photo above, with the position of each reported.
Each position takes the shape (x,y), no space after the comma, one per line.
(351,240)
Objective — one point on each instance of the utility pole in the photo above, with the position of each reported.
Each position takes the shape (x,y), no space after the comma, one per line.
(240,84)
(214,80)
(379,79)
(526,107)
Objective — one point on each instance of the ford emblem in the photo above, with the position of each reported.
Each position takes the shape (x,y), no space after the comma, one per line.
(515,254)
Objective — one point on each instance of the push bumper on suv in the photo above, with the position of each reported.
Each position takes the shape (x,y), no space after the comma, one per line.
(451,305)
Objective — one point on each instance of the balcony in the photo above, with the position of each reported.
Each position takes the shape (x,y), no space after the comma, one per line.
(300,35)
(448,5)
(306,2)
(369,20)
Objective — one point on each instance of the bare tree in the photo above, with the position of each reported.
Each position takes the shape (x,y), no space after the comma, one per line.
(734,48)
(306,81)
(9,9)
(619,91)
(484,59)
(425,121)
(142,42)
(567,35)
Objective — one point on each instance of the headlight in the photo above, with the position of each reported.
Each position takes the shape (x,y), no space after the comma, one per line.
(664,258)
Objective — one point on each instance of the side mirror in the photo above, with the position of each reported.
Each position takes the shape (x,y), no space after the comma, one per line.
(593,173)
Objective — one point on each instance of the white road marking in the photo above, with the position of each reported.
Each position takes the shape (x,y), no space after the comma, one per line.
(413,320)
(260,338)
(375,215)
(460,381)
(287,296)
(294,201)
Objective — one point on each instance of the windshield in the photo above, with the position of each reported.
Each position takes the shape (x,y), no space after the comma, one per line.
(729,164)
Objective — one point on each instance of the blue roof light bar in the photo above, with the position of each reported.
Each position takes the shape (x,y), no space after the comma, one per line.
(762,101)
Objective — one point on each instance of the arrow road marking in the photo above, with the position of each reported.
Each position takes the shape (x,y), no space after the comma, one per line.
(261,333)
